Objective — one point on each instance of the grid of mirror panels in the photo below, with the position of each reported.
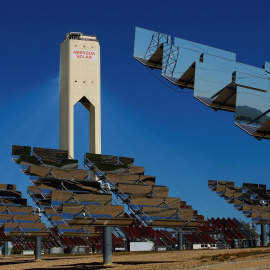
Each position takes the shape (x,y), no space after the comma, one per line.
(146,200)
(252,199)
(91,244)
(76,204)
(164,237)
(234,233)
(18,220)
(204,235)
(218,80)
(71,200)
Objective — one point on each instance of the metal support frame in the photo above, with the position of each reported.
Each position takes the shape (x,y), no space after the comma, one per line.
(115,190)
(107,245)
(38,248)
(157,40)
(31,194)
(91,166)
(170,57)
(5,249)
(263,235)
(36,201)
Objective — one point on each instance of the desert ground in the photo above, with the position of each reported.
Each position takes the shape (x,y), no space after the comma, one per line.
(231,259)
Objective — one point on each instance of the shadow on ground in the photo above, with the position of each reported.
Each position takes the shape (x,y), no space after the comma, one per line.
(16,261)
(84,266)
(3,262)
(97,266)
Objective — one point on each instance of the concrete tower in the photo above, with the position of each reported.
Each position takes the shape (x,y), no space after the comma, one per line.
(80,82)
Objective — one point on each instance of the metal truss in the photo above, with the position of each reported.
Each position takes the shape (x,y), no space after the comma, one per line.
(157,40)
(170,56)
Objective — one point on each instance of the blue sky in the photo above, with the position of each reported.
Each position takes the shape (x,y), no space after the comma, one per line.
(173,135)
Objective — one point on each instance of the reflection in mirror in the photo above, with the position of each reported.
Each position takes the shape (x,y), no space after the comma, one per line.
(148,47)
(251,81)
(190,53)
(183,71)
(267,68)
(252,112)
(213,87)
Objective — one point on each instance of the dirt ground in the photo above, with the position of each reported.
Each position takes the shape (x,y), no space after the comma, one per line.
(230,259)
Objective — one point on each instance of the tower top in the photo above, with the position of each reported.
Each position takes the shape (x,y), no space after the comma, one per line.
(80,36)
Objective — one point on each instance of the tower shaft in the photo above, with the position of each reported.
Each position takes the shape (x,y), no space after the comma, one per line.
(80,82)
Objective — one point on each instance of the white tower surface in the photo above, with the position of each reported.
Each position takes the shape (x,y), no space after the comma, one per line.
(80,82)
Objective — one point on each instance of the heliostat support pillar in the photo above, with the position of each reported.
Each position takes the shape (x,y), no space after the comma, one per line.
(107,245)
(38,248)
(80,82)
(5,249)
(264,235)
(180,240)
(127,245)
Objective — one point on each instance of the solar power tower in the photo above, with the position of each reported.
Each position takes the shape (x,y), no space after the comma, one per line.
(218,80)
(80,82)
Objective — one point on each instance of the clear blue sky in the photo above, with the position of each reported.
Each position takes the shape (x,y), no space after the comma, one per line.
(173,135)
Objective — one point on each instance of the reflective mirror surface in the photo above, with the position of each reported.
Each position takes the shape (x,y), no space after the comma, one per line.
(148,47)
(217,79)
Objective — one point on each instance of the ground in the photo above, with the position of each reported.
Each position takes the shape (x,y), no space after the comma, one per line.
(231,259)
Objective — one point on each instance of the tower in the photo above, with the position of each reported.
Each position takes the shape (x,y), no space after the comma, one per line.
(80,82)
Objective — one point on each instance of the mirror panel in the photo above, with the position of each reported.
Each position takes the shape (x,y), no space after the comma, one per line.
(252,109)
(148,46)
